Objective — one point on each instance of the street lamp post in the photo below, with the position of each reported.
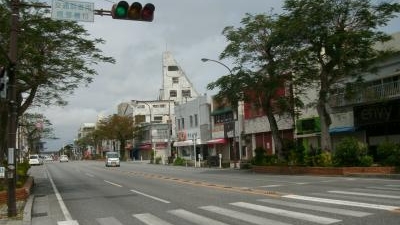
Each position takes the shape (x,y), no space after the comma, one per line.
(239,116)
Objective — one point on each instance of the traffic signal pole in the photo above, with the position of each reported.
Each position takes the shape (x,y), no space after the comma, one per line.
(12,115)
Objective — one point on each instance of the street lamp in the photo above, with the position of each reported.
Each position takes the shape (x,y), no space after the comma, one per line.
(212,60)
(239,117)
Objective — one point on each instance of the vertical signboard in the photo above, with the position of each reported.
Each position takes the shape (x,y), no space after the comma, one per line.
(72,10)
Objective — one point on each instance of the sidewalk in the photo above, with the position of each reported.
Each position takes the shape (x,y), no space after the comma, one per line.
(41,208)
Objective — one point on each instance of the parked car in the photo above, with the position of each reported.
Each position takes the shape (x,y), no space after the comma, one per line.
(63,158)
(112,159)
(35,160)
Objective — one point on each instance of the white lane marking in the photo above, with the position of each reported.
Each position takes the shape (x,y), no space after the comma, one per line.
(108,221)
(242,216)
(287,213)
(89,175)
(272,185)
(112,183)
(341,202)
(63,207)
(150,196)
(194,218)
(149,219)
(338,211)
(365,194)
(71,222)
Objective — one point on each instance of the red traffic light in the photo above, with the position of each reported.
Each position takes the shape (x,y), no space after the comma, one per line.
(123,11)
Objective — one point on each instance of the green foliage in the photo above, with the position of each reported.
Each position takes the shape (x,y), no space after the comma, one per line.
(389,154)
(179,161)
(158,160)
(350,152)
(259,159)
(324,159)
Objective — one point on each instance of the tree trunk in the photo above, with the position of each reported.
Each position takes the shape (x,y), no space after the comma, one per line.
(275,133)
(325,119)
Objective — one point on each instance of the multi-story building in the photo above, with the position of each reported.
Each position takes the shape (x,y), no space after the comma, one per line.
(193,126)
(175,84)
(155,121)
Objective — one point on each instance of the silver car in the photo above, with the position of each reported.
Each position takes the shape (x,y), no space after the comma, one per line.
(112,159)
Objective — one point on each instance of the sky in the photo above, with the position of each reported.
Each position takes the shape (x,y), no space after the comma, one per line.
(189,29)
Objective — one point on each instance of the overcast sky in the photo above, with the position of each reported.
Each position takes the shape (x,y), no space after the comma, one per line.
(190,29)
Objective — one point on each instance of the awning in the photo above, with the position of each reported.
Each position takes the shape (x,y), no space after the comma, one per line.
(183,143)
(341,130)
(217,141)
(221,111)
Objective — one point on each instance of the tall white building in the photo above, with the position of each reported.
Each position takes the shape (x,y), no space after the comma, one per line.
(175,84)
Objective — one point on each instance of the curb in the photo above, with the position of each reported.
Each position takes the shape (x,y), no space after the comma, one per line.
(27,217)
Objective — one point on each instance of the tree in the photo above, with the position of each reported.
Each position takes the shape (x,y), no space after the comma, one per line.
(54,58)
(262,69)
(116,127)
(335,40)
(34,127)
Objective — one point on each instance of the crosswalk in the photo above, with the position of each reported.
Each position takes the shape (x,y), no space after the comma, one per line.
(285,210)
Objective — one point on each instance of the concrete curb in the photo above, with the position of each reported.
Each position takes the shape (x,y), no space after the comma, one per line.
(27,216)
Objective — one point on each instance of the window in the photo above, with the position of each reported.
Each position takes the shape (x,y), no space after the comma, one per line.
(191,121)
(158,118)
(175,80)
(183,123)
(186,93)
(173,68)
(140,106)
(140,118)
(196,120)
(179,125)
(172,93)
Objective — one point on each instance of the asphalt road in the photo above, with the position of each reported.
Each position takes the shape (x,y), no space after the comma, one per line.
(88,193)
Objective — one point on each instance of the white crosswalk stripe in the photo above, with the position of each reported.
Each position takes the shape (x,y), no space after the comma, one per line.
(195,218)
(108,220)
(342,202)
(344,212)
(149,219)
(287,213)
(242,216)
(366,194)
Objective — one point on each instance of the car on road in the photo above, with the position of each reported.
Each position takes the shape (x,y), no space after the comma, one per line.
(35,160)
(63,158)
(112,159)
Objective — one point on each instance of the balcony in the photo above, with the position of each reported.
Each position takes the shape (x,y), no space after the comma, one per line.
(370,94)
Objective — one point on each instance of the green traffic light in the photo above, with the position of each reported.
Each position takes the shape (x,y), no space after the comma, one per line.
(120,11)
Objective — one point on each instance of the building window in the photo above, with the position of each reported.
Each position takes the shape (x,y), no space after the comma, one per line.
(172,93)
(183,123)
(140,118)
(196,120)
(175,80)
(191,121)
(173,68)
(186,93)
(158,118)
(179,124)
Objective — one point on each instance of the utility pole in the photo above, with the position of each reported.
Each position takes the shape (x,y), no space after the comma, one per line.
(12,115)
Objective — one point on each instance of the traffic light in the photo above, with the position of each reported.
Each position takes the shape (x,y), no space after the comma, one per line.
(3,82)
(123,11)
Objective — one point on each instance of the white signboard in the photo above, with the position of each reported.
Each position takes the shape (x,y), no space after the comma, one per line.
(2,172)
(72,10)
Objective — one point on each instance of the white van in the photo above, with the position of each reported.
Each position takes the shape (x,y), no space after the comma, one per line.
(112,159)
(35,160)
